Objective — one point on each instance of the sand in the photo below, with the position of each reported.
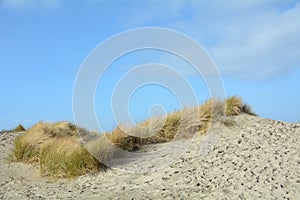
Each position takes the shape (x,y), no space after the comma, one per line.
(254,159)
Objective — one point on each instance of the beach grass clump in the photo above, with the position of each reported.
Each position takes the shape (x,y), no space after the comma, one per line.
(60,159)
(123,140)
(170,126)
(57,149)
(151,131)
(190,120)
(17,129)
(160,129)
(236,106)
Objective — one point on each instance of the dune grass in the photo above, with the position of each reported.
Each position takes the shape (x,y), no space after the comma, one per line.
(17,129)
(236,106)
(59,150)
(123,140)
(205,113)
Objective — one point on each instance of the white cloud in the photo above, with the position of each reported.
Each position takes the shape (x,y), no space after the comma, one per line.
(248,39)
(267,46)
(29,4)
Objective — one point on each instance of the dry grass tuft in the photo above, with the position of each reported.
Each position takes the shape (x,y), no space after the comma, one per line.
(123,140)
(19,128)
(236,106)
(233,106)
(184,123)
(57,149)
(156,130)
(161,129)
(102,149)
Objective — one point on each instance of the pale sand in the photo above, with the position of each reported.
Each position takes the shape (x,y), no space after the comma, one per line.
(256,159)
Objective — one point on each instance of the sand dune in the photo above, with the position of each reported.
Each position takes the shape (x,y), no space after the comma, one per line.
(254,159)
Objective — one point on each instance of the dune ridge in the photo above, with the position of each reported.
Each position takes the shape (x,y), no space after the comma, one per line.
(64,150)
(255,158)
(221,150)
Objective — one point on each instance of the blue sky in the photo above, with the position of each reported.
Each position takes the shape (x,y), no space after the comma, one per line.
(255,45)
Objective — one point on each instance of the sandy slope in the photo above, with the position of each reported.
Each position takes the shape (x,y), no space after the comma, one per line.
(255,159)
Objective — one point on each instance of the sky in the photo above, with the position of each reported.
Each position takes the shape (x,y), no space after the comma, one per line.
(43,43)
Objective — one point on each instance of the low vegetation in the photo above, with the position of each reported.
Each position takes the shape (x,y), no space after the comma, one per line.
(57,148)
(17,129)
(60,152)
(236,106)
(190,120)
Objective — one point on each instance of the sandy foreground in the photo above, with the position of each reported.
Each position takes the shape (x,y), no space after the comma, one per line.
(255,159)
